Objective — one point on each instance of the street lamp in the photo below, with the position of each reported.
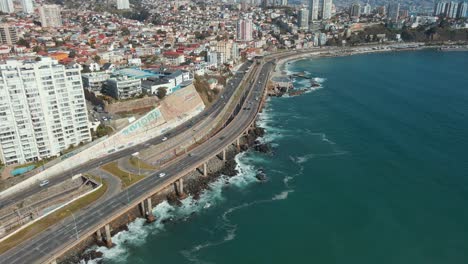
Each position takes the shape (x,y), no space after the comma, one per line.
(76,227)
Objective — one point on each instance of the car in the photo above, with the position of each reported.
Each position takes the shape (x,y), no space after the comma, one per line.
(43,183)
(164,139)
(162,174)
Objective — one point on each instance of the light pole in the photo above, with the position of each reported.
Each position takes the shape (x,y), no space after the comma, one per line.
(128,197)
(139,168)
(76,227)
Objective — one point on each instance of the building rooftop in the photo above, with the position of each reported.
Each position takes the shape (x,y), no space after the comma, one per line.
(136,73)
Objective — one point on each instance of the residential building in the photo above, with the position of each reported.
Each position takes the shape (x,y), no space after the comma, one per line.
(462,10)
(8,34)
(27,6)
(303,19)
(212,58)
(171,81)
(123,4)
(227,51)
(50,15)
(451,10)
(367,9)
(122,87)
(174,58)
(355,10)
(94,81)
(393,11)
(313,10)
(327,9)
(42,110)
(320,9)
(6,6)
(244,30)
(439,8)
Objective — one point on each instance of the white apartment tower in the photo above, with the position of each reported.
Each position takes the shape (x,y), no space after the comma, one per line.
(393,11)
(319,9)
(123,4)
(313,10)
(303,19)
(8,34)
(367,9)
(326,9)
(6,6)
(244,29)
(50,15)
(27,6)
(42,110)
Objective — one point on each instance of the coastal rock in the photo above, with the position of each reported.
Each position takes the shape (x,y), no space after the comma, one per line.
(296,93)
(263,148)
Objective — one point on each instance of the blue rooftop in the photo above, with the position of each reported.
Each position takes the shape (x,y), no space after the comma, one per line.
(136,73)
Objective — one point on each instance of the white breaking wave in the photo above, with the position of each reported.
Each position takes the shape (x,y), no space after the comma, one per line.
(282,196)
(320,80)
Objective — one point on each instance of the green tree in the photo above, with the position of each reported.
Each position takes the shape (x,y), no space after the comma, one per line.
(161,93)
(125,31)
(72,54)
(23,42)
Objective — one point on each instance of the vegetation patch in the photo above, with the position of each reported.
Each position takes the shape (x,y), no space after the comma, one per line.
(127,178)
(138,163)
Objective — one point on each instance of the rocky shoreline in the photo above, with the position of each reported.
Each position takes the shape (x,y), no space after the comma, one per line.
(195,185)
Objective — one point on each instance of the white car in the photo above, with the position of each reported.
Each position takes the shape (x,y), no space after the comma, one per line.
(44,183)
(162,174)
(164,139)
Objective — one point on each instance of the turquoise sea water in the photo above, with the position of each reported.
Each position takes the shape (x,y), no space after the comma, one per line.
(370,168)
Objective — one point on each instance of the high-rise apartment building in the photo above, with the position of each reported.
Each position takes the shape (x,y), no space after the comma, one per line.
(439,8)
(367,9)
(326,9)
(393,11)
(8,34)
(42,110)
(123,4)
(320,9)
(50,15)
(313,10)
(355,10)
(462,10)
(244,29)
(6,6)
(451,10)
(303,19)
(27,6)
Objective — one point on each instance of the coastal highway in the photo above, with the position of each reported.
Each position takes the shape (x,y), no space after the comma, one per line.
(208,115)
(46,245)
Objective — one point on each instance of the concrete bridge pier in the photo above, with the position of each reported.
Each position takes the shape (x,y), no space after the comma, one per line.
(142,208)
(238,143)
(99,235)
(205,170)
(224,154)
(53,262)
(149,211)
(108,236)
(180,189)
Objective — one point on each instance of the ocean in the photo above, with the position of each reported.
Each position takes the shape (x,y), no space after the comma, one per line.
(371,167)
